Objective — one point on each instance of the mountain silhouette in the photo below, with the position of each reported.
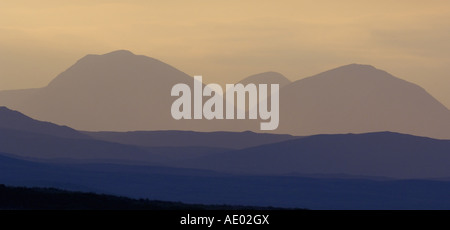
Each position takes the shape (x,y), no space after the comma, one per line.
(383,154)
(358,99)
(47,147)
(121,91)
(14,120)
(206,187)
(323,171)
(117,91)
(263,78)
(25,137)
(266,78)
(229,140)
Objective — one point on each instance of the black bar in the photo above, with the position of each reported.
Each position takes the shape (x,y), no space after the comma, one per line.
(247,219)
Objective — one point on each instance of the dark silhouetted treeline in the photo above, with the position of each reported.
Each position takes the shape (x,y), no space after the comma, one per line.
(22,198)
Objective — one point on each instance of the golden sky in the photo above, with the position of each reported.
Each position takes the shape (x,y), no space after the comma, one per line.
(226,41)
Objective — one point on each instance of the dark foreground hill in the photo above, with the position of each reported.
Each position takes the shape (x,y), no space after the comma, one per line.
(51,199)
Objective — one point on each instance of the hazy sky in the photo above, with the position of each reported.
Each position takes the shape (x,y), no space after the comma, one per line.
(226,41)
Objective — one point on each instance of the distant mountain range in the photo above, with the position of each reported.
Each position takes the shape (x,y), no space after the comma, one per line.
(359,99)
(14,120)
(340,171)
(353,137)
(29,138)
(120,91)
(228,140)
(206,187)
(383,154)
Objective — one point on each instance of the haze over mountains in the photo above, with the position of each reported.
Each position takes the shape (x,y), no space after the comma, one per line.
(15,120)
(339,171)
(383,154)
(229,140)
(120,91)
(26,137)
(200,186)
(117,91)
(358,99)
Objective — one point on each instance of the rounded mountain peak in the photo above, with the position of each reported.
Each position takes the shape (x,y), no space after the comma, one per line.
(266,78)
(119,53)
(352,73)
(356,66)
(114,55)
(119,67)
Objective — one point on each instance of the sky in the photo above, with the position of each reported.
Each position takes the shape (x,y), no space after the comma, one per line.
(226,41)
